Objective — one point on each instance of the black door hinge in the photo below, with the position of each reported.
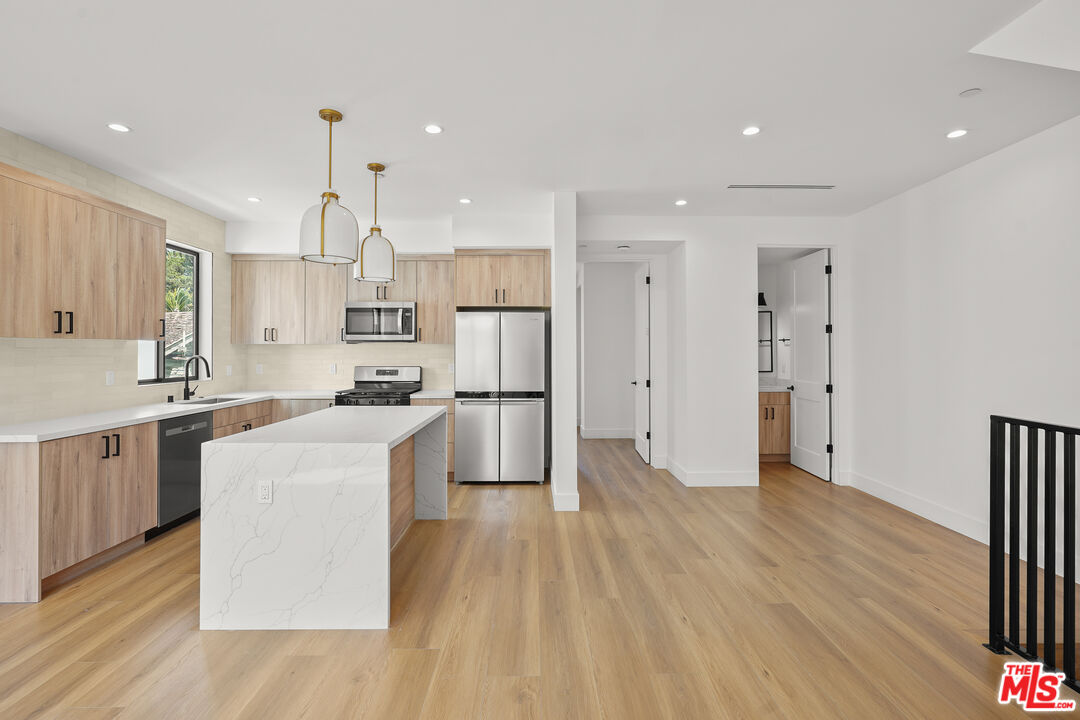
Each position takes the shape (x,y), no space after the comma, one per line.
(828,328)
(828,448)
(828,388)
(648,279)
(648,383)
(828,269)
(648,435)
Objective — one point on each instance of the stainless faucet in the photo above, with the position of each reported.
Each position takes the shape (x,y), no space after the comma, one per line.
(188,394)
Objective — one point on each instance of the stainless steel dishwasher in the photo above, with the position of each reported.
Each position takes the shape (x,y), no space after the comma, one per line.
(180,464)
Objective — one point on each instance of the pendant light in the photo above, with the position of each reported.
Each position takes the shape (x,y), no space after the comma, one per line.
(376,253)
(328,231)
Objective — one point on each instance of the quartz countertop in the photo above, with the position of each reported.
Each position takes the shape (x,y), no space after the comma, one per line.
(366,425)
(433,395)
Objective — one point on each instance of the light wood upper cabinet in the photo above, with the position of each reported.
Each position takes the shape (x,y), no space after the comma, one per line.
(324,302)
(503,278)
(140,280)
(402,289)
(435,301)
(132,482)
(268,298)
(75,265)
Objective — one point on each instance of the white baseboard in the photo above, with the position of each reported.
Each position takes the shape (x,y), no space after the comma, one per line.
(565,502)
(660,462)
(722,478)
(606,433)
(961,523)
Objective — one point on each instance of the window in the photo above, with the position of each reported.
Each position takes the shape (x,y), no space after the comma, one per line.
(163,360)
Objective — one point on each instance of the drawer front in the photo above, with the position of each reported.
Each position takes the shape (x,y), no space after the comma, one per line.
(242,413)
(774,398)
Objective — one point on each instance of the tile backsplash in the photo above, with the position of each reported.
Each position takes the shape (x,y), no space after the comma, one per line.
(297,367)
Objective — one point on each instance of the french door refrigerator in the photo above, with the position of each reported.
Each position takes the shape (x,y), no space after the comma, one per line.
(499,374)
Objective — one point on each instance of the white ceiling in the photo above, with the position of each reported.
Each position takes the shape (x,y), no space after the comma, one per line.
(633,103)
(1047,34)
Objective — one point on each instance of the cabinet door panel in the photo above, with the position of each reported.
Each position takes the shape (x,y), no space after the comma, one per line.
(140,279)
(324,306)
(285,294)
(249,313)
(435,302)
(404,287)
(477,280)
(782,429)
(30,257)
(132,482)
(74,500)
(87,271)
(523,278)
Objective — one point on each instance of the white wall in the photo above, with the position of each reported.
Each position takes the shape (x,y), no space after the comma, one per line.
(965,300)
(564,492)
(283,238)
(608,346)
(713,330)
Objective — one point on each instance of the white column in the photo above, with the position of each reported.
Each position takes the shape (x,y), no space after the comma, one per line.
(564,492)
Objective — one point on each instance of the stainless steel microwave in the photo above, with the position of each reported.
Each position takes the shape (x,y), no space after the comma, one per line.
(384,321)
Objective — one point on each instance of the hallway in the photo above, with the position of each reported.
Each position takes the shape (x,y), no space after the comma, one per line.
(797,599)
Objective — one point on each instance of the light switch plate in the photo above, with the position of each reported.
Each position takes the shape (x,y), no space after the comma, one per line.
(110,377)
(228,370)
(258,368)
(450,367)
(265,494)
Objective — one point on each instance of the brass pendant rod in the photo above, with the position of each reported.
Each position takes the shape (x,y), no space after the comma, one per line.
(376,213)
(330,161)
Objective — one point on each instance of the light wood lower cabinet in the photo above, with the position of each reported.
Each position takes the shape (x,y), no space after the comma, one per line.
(449,405)
(286,409)
(97,490)
(774,425)
(229,421)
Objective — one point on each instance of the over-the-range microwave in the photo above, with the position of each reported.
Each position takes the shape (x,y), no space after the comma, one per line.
(384,321)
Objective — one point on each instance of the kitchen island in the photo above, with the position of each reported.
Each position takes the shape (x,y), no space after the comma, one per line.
(299,517)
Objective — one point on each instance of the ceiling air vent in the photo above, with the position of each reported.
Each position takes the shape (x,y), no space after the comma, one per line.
(781,187)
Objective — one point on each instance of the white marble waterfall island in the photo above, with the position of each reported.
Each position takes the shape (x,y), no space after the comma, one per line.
(343,484)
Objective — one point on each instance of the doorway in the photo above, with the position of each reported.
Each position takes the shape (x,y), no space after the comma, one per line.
(795,358)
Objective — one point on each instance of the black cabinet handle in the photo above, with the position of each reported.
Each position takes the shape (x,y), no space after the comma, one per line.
(116,450)
(273,334)
(59,322)
(419,334)
(772,416)
(266,332)
(106,455)
(504,295)
(162,327)
(766,413)
(342,334)
(71,323)
(496,294)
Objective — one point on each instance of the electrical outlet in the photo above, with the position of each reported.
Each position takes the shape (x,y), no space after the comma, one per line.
(110,377)
(450,367)
(258,368)
(228,370)
(333,368)
(265,492)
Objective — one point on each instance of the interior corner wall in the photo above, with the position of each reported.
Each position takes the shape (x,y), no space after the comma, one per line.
(45,378)
(964,304)
(564,351)
(609,357)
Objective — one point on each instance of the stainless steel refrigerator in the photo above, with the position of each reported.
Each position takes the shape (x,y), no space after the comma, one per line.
(499,375)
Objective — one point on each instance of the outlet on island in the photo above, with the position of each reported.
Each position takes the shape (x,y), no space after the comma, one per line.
(265,493)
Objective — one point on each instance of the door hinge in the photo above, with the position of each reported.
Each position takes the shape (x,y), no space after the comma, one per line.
(828,388)
(648,280)
(828,269)
(828,329)
(648,435)
(648,383)
(828,448)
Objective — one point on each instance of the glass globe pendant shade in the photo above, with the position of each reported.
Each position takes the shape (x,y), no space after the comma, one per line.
(376,262)
(329,232)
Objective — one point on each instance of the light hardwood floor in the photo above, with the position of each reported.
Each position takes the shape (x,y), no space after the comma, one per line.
(797,599)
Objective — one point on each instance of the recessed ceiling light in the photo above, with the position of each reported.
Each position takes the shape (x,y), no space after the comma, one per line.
(254,200)
(622,248)
(958,133)
(465,201)
(119,127)
(433,129)
(970,92)
(752,130)
(680,203)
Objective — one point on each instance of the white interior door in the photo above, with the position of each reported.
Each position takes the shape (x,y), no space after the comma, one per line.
(809,401)
(642,379)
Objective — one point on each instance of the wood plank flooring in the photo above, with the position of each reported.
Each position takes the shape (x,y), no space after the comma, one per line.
(797,599)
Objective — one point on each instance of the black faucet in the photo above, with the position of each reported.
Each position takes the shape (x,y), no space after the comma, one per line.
(188,394)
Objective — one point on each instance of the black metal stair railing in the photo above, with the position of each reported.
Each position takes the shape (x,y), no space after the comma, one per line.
(1023,627)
